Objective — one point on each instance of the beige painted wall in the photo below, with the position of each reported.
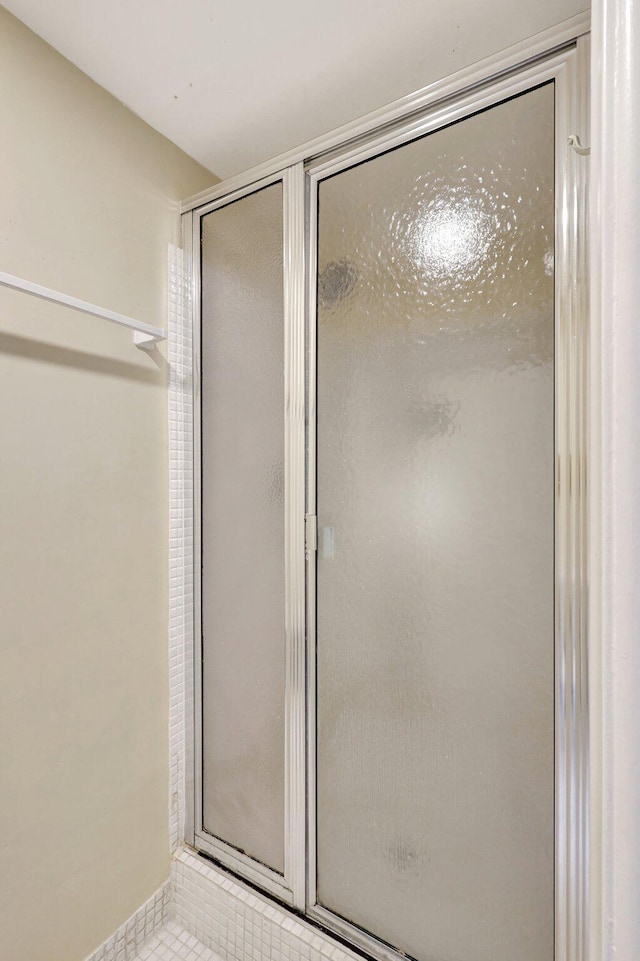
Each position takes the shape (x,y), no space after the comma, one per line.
(88,203)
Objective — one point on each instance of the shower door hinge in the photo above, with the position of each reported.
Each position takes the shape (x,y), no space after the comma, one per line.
(310,532)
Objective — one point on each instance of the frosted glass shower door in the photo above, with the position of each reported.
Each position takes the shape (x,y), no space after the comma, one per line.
(435,573)
(243,562)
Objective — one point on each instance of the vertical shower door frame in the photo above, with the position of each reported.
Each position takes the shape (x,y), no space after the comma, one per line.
(560,55)
(289,887)
(568,70)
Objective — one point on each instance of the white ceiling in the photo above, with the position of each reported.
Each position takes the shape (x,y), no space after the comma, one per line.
(235,83)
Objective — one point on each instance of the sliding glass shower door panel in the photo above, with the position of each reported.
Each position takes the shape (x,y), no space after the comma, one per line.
(435,575)
(243,566)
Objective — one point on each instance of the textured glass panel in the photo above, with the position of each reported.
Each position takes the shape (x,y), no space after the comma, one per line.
(435,595)
(243,525)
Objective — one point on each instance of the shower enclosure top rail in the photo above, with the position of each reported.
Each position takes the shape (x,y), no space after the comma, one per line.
(467,79)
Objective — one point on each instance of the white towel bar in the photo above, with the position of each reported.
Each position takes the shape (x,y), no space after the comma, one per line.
(145,335)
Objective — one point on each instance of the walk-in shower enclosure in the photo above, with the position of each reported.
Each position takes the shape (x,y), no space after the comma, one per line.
(390,329)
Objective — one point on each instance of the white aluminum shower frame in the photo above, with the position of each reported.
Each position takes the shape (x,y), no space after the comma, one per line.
(291,886)
(561,56)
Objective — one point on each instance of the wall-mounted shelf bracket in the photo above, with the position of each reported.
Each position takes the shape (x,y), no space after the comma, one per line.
(145,341)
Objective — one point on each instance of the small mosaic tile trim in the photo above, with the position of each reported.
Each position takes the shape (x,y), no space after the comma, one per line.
(240,925)
(125,944)
(180,536)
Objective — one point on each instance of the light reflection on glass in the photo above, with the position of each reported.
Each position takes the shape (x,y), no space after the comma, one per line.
(450,239)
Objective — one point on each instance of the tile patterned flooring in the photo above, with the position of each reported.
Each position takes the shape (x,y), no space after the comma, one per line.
(173,943)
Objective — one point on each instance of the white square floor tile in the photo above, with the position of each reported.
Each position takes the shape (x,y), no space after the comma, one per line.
(173,943)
